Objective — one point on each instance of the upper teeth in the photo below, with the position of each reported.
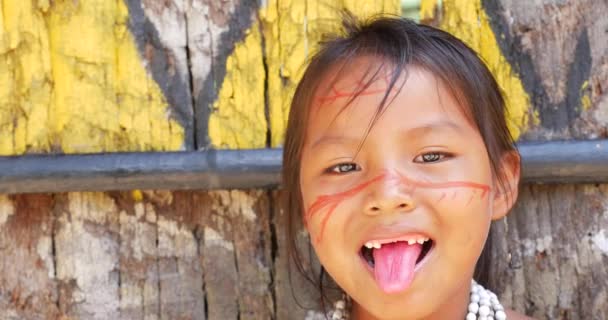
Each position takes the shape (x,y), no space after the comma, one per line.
(378,244)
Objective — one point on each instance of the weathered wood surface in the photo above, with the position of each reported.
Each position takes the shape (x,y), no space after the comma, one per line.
(175,75)
(549,256)
(170,255)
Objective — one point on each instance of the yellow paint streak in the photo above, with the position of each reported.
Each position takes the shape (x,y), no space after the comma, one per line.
(238,120)
(291,31)
(427,9)
(137,195)
(468,21)
(72,80)
(585,103)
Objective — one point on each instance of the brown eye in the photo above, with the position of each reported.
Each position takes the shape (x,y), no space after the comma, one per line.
(430,157)
(344,168)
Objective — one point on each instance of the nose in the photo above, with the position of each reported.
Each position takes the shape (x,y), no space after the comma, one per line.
(389,195)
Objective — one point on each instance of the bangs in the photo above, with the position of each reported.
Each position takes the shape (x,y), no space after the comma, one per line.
(378,69)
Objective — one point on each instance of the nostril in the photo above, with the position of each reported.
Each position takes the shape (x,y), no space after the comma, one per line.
(403,205)
(375,209)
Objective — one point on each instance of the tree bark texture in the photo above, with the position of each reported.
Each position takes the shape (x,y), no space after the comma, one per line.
(138,75)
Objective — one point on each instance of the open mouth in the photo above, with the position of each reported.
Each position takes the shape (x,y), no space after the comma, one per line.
(367,250)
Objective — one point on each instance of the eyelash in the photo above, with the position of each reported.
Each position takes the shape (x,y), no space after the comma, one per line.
(336,169)
(432,157)
(429,157)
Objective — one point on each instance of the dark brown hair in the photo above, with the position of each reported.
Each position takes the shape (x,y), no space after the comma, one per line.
(397,43)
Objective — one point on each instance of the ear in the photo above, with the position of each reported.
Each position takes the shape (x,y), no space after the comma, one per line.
(506,195)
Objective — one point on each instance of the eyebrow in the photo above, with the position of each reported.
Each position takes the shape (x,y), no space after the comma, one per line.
(441,125)
(421,130)
(336,140)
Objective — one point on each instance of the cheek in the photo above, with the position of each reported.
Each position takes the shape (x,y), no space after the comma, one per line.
(460,200)
(464,216)
(328,210)
(328,239)
(327,218)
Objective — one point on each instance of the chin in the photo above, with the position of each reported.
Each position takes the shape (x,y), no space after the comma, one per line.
(393,311)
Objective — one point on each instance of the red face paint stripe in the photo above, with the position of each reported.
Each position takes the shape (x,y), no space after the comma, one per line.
(337,95)
(442,196)
(324,222)
(470,199)
(343,94)
(335,199)
(444,185)
(325,200)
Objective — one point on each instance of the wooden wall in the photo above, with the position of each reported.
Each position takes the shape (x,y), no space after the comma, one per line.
(142,75)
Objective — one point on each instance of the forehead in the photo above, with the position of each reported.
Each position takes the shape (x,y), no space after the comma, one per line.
(358,76)
(419,98)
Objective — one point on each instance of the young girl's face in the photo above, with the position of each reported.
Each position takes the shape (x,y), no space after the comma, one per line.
(422,174)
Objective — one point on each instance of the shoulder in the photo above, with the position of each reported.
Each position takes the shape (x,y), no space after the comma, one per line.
(514,315)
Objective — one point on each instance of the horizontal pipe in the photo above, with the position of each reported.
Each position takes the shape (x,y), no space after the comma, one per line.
(210,169)
(543,162)
(582,161)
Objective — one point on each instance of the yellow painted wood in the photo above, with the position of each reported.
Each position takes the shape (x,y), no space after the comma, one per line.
(468,20)
(427,9)
(238,120)
(585,102)
(290,29)
(72,80)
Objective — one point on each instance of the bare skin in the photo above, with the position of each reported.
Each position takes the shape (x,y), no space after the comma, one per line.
(511,315)
(423,169)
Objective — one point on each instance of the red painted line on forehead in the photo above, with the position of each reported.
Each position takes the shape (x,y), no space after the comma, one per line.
(337,94)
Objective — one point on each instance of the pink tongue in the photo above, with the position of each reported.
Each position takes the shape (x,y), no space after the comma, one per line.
(394,265)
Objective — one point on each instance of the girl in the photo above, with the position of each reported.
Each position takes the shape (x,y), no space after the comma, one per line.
(397,158)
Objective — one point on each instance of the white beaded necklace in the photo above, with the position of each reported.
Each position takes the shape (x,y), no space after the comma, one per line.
(484,305)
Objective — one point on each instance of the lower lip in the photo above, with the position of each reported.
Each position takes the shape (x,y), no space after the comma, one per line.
(418,266)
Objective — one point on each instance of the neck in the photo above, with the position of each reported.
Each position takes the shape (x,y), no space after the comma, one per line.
(454,308)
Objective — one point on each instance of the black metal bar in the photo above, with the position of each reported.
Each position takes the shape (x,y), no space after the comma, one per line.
(565,161)
(211,169)
(543,162)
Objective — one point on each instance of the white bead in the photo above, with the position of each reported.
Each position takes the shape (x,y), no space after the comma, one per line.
(483,302)
(500,315)
(484,294)
(484,311)
(337,315)
(474,297)
(340,304)
(473,307)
